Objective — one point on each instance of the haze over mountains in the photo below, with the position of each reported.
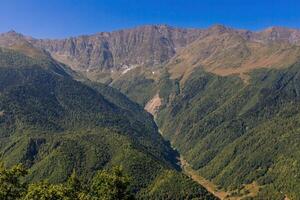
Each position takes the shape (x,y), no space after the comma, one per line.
(227,100)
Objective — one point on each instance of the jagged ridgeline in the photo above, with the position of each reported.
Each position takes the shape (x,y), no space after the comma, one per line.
(54,124)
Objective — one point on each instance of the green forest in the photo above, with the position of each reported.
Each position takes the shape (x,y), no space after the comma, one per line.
(234,133)
(111,184)
(185,128)
(106,185)
(55,126)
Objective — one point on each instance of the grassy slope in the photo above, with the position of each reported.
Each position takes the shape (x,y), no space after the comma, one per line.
(235,134)
(55,124)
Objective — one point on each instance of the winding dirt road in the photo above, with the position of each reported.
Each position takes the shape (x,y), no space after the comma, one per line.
(209,186)
(252,188)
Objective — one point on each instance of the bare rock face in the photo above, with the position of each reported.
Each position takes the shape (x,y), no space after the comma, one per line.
(217,48)
(146,46)
(291,36)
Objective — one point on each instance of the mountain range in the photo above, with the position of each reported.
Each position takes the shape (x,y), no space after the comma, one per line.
(226,99)
(113,53)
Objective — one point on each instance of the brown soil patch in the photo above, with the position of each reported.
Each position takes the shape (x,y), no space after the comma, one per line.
(286,198)
(153,105)
(252,188)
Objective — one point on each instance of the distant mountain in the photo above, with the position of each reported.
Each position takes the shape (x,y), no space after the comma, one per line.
(107,56)
(19,42)
(120,50)
(225,51)
(220,50)
(272,34)
(54,124)
(227,100)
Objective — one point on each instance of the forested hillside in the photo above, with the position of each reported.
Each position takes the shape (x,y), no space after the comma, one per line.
(54,125)
(237,134)
(226,99)
(228,102)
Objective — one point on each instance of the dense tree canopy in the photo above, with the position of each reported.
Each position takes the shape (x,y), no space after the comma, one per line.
(53,124)
(106,185)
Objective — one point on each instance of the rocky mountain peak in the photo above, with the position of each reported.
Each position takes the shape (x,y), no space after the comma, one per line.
(277,33)
(149,45)
(17,41)
(11,32)
(218,28)
(9,37)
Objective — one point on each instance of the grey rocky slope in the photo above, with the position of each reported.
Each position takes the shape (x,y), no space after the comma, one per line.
(151,45)
(146,45)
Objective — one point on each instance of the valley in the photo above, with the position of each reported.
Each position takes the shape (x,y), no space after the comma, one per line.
(54,125)
(227,100)
(250,190)
(201,180)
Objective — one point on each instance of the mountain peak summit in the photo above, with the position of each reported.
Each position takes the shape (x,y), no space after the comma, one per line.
(12,33)
(219,28)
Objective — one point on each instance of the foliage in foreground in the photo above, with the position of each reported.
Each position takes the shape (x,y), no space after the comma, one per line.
(111,184)
(105,185)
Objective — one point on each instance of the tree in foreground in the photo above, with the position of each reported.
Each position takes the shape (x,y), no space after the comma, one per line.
(11,187)
(106,185)
(46,191)
(112,185)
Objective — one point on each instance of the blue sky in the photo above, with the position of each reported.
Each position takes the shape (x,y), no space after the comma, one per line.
(63,18)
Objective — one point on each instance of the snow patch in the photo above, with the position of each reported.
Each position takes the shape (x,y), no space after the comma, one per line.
(128,68)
